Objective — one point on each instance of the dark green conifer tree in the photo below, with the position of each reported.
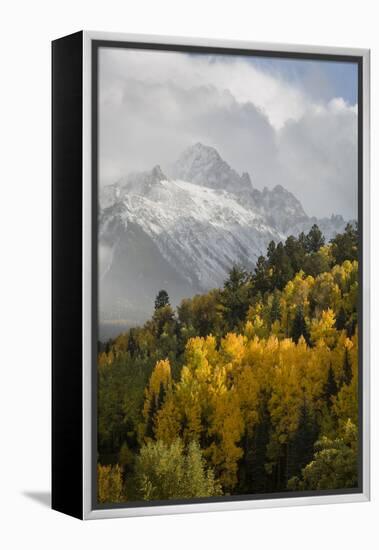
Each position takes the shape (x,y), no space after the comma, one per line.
(345,245)
(295,251)
(235,296)
(280,264)
(161,300)
(253,477)
(347,373)
(261,439)
(341,319)
(275,311)
(299,326)
(132,343)
(155,405)
(314,240)
(330,387)
(261,279)
(301,445)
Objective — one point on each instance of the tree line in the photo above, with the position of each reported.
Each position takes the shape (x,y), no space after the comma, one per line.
(250,388)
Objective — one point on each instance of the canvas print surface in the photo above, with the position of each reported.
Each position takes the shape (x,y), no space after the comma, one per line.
(228,277)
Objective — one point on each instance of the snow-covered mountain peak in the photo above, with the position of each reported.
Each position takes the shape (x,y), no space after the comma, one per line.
(157,175)
(135,183)
(203,165)
(202,154)
(141,181)
(184,232)
(282,208)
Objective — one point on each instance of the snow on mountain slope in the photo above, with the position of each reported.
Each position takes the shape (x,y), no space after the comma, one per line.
(202,230)
(184,233)
(203,165)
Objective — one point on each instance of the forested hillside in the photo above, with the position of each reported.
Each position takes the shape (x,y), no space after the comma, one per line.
(250,388)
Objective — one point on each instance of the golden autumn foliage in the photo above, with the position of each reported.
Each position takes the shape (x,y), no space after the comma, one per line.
(161,377)
(248,397)
(217,397)
(159,385)
(109,483)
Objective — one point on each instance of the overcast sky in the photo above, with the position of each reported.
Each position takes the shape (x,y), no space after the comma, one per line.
(285,122)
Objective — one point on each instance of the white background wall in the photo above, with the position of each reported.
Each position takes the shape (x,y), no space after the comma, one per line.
(26,30)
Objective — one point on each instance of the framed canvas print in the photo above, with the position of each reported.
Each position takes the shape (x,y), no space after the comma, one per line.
(210,275)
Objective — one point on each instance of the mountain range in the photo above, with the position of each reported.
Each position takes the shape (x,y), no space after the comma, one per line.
(183,230)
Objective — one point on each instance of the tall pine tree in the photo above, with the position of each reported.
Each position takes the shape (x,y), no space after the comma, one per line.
(330,387)
(299,326)
(347,373)
(161,300)
(314,240)
(275,311)
(301,445)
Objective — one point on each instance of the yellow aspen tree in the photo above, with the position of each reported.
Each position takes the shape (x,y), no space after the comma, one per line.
(167,420)
(296,293)
(325,293)
(160,382)
(227,425)
(287,393)
(192,391)
(102,359)
(345,275)
(346,403)
(323,328)
(109,484)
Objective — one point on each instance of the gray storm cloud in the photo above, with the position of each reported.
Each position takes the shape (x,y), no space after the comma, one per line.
(155,104)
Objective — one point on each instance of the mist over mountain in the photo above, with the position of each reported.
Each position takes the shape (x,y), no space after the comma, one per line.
(184,230)
(203,165)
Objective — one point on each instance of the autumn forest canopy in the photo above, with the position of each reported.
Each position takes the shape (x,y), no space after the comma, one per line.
(251,388)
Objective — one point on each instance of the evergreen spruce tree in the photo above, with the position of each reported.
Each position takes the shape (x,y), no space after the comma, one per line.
(252,472)
(132,343)
(299,326)
(295,250)
(351,326)
(347,373)
(301,445)
(261,279)
(164,320)
(275,312)
(341,319)
(156,404)
(261,439)
(235,296)
(302,240)
(161,300)
(330,387)
(280,264)
(314,240)
(345,245)
(271,250)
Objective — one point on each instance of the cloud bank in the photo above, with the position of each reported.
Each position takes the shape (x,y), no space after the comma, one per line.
(274,124)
